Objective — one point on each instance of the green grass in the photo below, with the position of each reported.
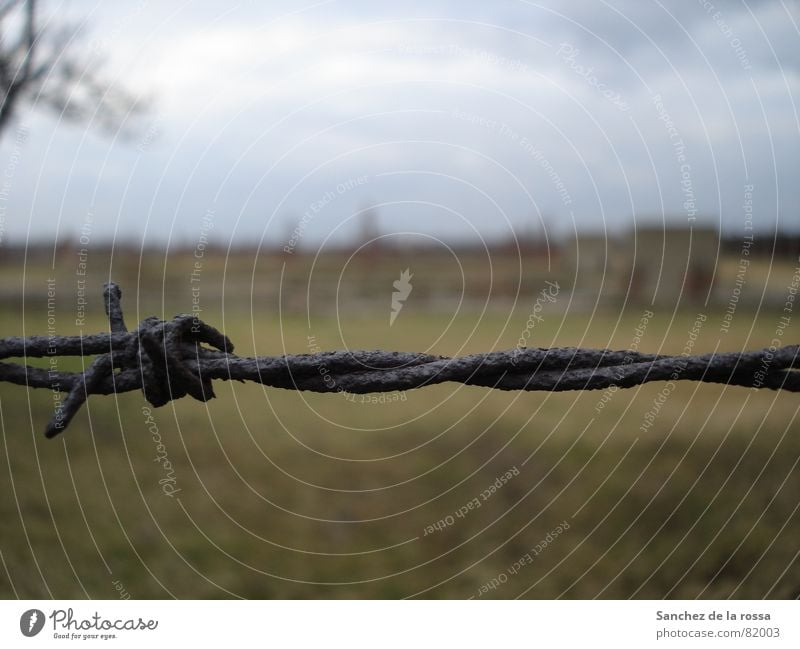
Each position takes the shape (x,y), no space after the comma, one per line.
(287,494)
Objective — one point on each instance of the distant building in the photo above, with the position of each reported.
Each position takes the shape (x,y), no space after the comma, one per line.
(370,242)
(662,265)
(671,264)
(594,264)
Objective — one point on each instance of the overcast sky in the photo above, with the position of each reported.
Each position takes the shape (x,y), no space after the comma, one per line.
(451,119)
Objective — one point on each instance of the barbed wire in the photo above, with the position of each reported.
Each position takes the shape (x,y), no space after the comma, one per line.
(169,359)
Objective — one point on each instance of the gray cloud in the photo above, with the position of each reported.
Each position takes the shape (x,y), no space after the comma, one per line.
(468,118)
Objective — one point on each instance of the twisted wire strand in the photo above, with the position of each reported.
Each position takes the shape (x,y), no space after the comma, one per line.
(171,359)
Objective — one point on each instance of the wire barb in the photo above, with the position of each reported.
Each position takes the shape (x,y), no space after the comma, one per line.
(171,359)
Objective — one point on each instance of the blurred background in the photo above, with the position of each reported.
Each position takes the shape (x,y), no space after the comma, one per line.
(439,177)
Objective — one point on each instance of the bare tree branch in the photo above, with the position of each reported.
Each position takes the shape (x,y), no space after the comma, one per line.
(47,68)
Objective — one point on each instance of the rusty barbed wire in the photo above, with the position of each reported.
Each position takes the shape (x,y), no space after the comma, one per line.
(171,359)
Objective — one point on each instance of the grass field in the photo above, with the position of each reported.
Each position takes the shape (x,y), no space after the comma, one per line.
(284,494)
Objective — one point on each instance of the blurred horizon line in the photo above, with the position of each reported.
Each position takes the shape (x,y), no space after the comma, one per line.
(781,238)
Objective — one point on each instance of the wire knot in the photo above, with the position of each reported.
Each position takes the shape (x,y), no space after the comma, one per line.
(156,355)
(161,348)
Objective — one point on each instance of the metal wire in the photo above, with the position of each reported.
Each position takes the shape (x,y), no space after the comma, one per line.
(171,359)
